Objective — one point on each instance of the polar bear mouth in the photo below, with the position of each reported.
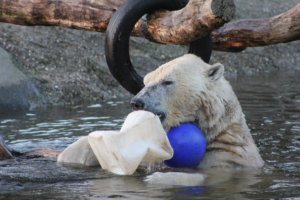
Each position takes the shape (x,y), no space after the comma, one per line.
(161,116)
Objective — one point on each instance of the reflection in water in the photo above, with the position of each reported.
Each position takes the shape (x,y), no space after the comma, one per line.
(56,128)
(271,103)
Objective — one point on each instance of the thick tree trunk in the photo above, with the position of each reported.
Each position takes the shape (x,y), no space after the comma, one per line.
(259,32)
(84,14)
(194,21)
(197,19)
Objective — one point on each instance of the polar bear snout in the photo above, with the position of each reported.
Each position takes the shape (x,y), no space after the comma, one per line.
(145,102)
(137,104)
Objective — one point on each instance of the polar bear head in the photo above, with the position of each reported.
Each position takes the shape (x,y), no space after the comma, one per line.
(187,89)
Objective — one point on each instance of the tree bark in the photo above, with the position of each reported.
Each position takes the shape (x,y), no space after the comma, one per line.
(259,32)
(194,21)
(197,19)
(87,15)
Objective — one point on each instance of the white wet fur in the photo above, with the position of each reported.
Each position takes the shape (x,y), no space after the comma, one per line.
(176,178)
(200,94)
(203,96)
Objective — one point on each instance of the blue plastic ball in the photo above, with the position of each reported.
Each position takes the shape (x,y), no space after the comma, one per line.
(189,145)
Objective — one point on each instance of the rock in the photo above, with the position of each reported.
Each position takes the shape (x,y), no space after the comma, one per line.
(69,66)
(16,90)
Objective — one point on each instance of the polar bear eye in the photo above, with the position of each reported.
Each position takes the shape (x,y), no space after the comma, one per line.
(168,82)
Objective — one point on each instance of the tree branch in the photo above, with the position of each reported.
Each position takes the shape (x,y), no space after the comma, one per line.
(197,19)
(259,32)
(194,21)
(87,15)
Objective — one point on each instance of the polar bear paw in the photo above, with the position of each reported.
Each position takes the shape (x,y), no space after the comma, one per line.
(176,178)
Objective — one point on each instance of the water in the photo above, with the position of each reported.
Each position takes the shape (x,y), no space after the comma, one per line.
(271,103)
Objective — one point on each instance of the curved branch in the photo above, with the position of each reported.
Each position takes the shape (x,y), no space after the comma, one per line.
(259,32)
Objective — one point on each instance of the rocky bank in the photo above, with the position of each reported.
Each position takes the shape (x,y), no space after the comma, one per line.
(53,65)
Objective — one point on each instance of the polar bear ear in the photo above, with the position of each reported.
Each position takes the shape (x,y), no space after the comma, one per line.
(216,71)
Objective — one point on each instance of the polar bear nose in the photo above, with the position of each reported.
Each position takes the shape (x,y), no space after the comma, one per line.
(137,104)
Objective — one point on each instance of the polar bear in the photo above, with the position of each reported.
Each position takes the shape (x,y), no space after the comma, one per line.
(187,89)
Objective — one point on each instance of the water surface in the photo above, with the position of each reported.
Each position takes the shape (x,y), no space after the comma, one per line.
(271,103)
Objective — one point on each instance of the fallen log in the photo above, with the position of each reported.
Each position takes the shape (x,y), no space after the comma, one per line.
(87,15)
(197,19)
(177,27)
(194,21)
(259,32)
